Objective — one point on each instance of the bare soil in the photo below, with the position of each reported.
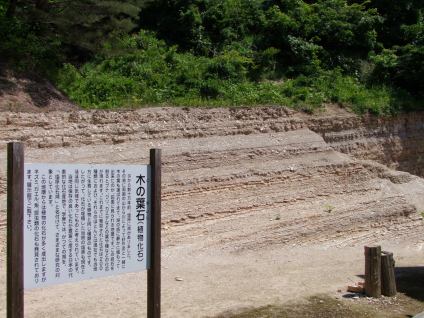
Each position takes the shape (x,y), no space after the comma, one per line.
(30,93)
(251,218)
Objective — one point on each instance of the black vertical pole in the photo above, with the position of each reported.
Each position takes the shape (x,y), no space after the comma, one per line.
(15,235)
(153,273)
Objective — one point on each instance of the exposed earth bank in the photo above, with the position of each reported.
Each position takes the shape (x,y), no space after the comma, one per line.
(394,141)
(260,205)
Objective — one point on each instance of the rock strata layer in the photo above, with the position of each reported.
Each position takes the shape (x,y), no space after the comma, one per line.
(396,142)
(258,204)
(255,165)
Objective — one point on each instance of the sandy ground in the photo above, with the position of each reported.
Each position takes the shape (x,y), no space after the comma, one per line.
(248,220)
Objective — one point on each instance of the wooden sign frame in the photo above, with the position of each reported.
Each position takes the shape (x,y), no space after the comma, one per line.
(15,234)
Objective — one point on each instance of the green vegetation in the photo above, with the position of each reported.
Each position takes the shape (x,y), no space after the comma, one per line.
(368,56)
(329,208)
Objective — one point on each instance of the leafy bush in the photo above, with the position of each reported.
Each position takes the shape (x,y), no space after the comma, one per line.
(365,55)
(204,27)
(306,35)
(147,71)
(402,67)
(229,66)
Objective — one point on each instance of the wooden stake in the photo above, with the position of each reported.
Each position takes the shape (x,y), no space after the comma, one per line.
(373,271)
(15,236)
(388,280)
(154,272)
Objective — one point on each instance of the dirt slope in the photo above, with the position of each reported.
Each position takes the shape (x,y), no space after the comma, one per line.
(258,208)
(30,93)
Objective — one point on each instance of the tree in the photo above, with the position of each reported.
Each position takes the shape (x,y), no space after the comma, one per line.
(81,26)
(86,25)
(395,14)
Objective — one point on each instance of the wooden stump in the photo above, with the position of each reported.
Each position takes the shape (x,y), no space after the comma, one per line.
(373,271)
(388,281)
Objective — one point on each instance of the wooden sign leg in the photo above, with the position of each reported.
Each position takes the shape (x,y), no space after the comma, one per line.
(15,236)
(154,272)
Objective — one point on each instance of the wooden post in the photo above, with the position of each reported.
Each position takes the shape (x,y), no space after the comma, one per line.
(373,271)
(15,236)
(154,272)
(388,281)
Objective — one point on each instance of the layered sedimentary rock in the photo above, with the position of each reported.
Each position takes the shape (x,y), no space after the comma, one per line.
(254,176)
(257,203)
(396,142)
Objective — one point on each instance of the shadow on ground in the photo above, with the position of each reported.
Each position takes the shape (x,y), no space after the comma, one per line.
(41,92)
(410,281)
(29,91)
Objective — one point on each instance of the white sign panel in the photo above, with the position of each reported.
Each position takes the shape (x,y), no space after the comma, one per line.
(84,221)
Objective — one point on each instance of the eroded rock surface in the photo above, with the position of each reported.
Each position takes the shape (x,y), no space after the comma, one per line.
(246,183)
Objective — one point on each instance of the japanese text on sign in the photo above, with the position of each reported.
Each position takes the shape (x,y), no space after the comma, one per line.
(84,221)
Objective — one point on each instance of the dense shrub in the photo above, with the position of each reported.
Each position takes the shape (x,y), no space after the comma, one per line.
(365,55)
(403,66)
(147,71)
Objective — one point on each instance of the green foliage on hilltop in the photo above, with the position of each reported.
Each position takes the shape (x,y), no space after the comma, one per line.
(302,36)
(368,55)
(41,35)
(147,71)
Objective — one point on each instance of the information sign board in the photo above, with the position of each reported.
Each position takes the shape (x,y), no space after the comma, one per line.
(84,221)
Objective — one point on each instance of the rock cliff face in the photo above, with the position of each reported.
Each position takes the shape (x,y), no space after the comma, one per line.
(240,186)
(223,163)
(396,142)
